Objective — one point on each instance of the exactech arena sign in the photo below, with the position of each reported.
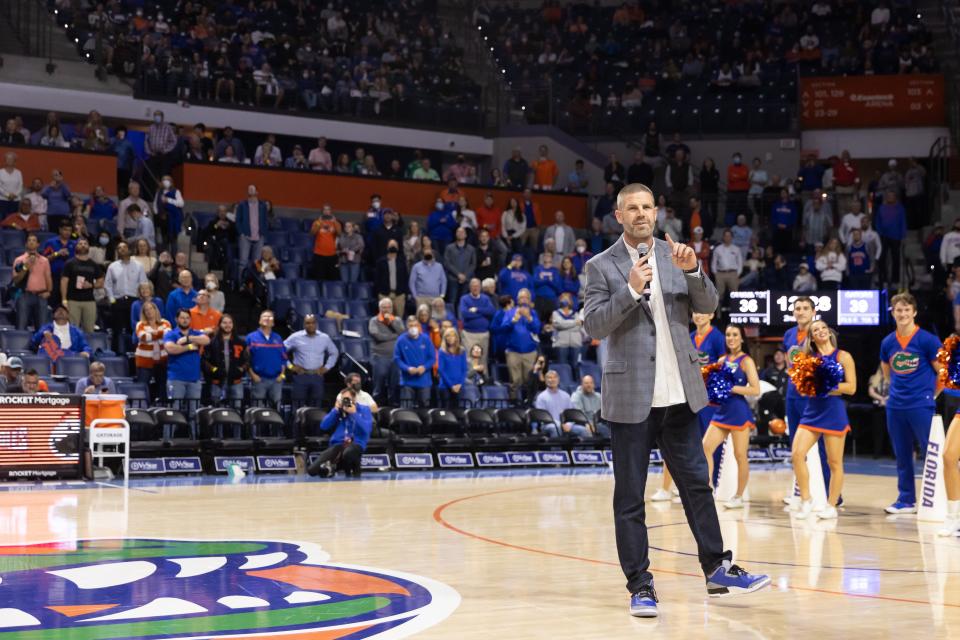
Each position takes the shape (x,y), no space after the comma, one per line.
(872,101)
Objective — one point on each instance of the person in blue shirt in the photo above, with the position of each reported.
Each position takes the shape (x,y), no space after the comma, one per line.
(908,359)
(57,194)
(476,312)
(859,264)
(184,381)
(521,326)
(415,356)
(98,207)
(810,176)
(268,357)
(126,156)
(441,225)
(890,222)
(58,250)
(546,285)
(66,336)
(182,297)
(351,424)
(783,222)
(95,382)
(498,330)
(512,278)
(451,369)
(312,353)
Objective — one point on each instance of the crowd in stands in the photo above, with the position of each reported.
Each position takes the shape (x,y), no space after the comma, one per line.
(613,59)
(371,59)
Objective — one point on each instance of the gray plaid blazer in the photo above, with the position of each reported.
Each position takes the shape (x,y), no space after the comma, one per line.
(611,313)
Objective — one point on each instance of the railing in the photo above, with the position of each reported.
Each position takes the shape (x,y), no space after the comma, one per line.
(32,24)
(939,167)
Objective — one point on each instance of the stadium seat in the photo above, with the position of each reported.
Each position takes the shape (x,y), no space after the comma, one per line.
(360,291)
(494,395)
(576,416)
(512,426)
(116,366)
(309,435)
(146,438)
(307,289)
(176,430)
(16,341)
(328,326)
(359,309)
(358,349)
(447,432)
(334,289)
(279,288)
(469,396)
(411,433)
(222,431)
(42,364)
(269,431)
(540,419)
(58,386)
(138,393)
(357,326)
(304,307)
(73,366)
(564,372)
(99,343)
(592,369)
(276,239)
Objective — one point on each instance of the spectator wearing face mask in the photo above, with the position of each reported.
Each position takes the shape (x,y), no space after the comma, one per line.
(441,225)
(415,356)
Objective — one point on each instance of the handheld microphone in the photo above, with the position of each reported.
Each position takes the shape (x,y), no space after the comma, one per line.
(642,249)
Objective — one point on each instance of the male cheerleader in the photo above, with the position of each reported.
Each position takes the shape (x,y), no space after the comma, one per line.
(908,358)
(710,346)
(794,339)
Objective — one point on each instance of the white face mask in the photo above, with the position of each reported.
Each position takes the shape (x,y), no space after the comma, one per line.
(376,204)
(211,286)
(581,248)
(414,332)
(166,184)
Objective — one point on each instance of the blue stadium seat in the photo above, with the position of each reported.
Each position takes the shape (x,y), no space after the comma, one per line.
(359,309)
(331,304)
(358,325)
(495,395)
(41,363)
(15,340)
(203,219)
(98,342)
(58,386)
(304,306)
(11,239)
(565,372)
(301,241)
(358,349)
(334,289)
(138,394)
(328,326)
(73,366)
(116,366)
(360,290)
(290,225)
(469,396)
(308,289)
(43,236)
(276,239)
(279,288)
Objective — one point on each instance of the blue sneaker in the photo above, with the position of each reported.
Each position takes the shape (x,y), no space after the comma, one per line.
(902,507)
(729,579)
(643,603)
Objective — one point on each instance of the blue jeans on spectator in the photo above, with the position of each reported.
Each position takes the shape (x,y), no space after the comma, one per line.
(249,250)
(576,430)
(156,378)
(419,395)
(309,98)
(350,271)
(185,396)
(31,308)
(568,355)
(307,390)
(231,392)
(449,399)
(457,289)
(385,380)
(268,389)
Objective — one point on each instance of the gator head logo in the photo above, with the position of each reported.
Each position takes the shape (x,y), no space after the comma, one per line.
(904,363)
(146,589)
(793,352)
(704,358)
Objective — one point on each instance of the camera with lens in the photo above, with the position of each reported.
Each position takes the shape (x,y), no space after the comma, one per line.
(346,402)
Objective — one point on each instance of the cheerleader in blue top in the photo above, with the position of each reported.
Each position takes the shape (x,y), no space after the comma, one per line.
(827,417)
(734,416)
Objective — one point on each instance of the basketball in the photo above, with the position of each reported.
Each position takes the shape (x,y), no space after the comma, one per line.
(778,426)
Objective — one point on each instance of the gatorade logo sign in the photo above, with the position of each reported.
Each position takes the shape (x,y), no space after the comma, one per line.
(904,363)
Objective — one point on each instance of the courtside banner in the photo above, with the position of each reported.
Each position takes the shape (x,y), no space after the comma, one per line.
(41,436)
(872,101)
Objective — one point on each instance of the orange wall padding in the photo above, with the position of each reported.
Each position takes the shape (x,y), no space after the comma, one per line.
(82,170)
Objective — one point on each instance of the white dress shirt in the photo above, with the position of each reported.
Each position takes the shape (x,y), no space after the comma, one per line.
(727,258)
(667,383)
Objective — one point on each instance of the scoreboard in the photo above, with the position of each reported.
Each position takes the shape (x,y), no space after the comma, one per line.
(836,308)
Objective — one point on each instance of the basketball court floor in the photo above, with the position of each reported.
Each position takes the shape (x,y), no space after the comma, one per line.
(504,555)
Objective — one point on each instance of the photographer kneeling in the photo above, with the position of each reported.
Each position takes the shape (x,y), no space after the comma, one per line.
(352,423)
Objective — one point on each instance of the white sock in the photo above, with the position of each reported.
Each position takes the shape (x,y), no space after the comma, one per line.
(953,508)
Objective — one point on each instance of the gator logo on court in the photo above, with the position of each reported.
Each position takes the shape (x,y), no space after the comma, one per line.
(152,589)
(904,363)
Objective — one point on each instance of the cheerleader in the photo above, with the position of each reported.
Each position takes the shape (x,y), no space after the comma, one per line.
(826,416)
(951,477)
(734,415)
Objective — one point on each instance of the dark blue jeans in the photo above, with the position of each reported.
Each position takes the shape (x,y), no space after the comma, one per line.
(307,390)
(676,431)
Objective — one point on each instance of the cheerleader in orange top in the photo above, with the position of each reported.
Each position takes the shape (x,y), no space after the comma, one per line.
(824,415)
(734,415)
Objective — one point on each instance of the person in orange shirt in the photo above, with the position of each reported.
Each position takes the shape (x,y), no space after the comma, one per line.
(452,193)
(545,171)
(24,220)
(738,184)
(203,317)
(325,231)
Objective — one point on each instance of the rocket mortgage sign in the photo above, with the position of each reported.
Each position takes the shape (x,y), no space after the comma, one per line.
(872,101)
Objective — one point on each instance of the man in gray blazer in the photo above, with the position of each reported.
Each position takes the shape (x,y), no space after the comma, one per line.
(639,296)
